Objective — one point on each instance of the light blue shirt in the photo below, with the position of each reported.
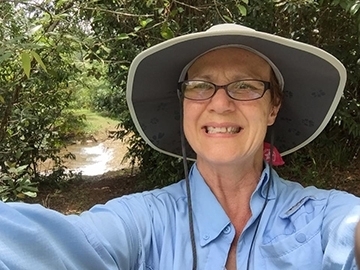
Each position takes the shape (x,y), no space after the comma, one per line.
(301,228)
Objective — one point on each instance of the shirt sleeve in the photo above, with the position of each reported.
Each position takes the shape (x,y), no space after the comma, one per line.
(33,237)
(341,216)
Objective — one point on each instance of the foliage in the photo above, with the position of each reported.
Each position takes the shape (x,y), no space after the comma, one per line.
(55,56)
(333,26)
(16,184)
(37,50)
(90,87)
(94,122)
(128,27)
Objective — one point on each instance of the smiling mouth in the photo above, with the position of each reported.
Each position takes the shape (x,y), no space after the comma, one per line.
(222,130)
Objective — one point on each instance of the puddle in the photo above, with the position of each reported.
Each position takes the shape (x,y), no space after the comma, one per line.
(93,158)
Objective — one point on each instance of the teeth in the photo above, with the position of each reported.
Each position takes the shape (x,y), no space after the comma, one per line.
(230,130)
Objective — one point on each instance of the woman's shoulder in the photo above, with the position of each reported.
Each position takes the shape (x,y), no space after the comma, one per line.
(160,199)
(295,195)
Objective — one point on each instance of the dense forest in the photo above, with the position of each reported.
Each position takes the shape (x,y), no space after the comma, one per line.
(59,55)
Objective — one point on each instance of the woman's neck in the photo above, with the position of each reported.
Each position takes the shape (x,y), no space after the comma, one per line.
(233,186)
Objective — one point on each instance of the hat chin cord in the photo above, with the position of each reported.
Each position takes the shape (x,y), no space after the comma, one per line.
(187,181)
(258,219)
(188,191)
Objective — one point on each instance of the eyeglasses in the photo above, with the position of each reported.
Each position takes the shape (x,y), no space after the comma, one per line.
(243,90)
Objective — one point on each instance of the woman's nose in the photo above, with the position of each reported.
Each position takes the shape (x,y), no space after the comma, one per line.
(221,102)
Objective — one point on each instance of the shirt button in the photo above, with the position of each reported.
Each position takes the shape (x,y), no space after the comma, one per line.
(227,229)
(301,238)
(206,237)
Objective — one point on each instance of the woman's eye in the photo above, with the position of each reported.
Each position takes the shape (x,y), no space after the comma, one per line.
(202,86)
(249,85)
(242,85)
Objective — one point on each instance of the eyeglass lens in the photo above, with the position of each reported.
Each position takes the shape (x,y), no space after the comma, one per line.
(239,90)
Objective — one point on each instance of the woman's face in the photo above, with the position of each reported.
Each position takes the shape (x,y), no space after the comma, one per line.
(222,130)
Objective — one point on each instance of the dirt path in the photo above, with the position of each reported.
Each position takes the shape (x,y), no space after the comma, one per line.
(79,196)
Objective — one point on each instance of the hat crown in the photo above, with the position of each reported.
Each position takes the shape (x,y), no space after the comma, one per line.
(230,27)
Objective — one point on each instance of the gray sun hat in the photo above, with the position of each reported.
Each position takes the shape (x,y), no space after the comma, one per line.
(313,83)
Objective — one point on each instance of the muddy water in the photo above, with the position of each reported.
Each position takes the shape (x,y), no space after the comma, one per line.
(94,158)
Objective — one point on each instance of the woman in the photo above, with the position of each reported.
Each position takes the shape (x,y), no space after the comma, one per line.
(232,211)
(227,134)
(232,80)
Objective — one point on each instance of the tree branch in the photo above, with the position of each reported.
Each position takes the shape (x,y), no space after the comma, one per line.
(118,12)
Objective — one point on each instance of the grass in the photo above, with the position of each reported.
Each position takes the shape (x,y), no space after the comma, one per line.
(95,122)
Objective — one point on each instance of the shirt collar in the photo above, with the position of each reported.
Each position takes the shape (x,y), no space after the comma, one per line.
(210,217)
(262,186)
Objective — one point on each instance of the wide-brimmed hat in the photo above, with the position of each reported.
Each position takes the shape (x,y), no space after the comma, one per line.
(313,84)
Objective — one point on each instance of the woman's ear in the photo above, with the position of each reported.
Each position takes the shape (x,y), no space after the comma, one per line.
(273,114)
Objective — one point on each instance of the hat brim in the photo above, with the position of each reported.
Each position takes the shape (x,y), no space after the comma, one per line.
(314,82)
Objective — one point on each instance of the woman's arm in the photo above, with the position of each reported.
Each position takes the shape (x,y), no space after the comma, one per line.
(33,237)
(357,244)
(342,214)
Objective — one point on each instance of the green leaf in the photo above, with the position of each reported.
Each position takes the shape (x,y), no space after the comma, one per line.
(18,153)
(345,5)
(242,10)
(123,36)
(22,168)
(2,100)
(34,30)
(38,59)
(60,3)
(32,187)
(149,3)
(354,8)
(26,63)
(12,170)
(30,194)
(106,49)
(145,22)
(20,195)
(245,1)
(280,3)
(70,37)
(228,18)
(166,32)
(124,67)
(5,56)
